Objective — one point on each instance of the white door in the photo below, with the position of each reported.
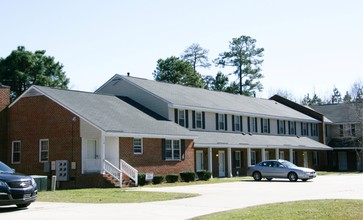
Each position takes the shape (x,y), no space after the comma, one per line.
(306,163)
(92,163)
(221,163)
(199,160)
(342,160)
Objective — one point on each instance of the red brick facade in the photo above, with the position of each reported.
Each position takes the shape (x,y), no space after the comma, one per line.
(151,159)
(34,118)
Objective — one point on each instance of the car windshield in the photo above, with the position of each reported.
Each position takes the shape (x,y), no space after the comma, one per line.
(5,169)
(288,164)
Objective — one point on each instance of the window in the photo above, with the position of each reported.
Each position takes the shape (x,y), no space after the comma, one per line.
(304,129)
(253,157)
(280,127)
(181,116)
(252,124)
(294,157)
(222,122)
(138,146)
(341,131)
(172,150)
(314,129)
(282,155)
(292,128)
(16,149)
(237,158)
(43,150)
(265,125)
(198,120)
(237,123)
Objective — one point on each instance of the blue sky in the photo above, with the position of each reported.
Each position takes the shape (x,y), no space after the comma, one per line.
(309,45)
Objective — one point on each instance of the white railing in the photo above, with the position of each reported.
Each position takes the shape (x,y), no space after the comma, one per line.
(129,171)
(112,170)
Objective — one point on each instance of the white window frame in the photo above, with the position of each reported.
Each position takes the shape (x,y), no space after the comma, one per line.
(221,122)
(181,117)
(281,127)
(237,158)
(170,145)
(237,123)
(292,128)
(138,147)
(17,151)
(42,150)
(314,130)
(199,120)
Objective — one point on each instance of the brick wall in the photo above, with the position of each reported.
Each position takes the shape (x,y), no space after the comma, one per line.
(35,118)
(151,159)
(4,102)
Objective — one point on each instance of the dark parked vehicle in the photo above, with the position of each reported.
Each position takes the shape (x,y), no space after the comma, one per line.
(16,189)
(280,169)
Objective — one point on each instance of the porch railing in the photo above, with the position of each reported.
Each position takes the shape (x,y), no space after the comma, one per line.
(112,170)
(129,171)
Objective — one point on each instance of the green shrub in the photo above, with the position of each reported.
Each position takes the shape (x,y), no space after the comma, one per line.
(204,175)
(171,178)
(141,179)
(187,176)
(158,179)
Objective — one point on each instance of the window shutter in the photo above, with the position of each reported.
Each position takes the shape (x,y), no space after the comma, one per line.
(307,129)
(203,120)
(233,123)
(186,118)
(289,127)
(163,149)
(176,116)
(261,125)
(278,126)
(193,119)
(240,121)
(301,125)
(284,127)
(182,143)
(256,125)
(225,124)
(295,127)
(268,124)
(216,121)
(248,124)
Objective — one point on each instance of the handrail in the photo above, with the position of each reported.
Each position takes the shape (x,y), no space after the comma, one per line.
(129,171)
(115,172)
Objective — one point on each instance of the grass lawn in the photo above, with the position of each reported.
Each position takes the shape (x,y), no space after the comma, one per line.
(313,209)
(114,195)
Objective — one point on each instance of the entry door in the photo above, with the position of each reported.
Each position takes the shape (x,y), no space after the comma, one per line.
(306,164)
(199,160)
(221,164)
(92,161)
(342,160)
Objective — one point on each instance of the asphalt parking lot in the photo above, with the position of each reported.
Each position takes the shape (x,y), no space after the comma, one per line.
(214,198)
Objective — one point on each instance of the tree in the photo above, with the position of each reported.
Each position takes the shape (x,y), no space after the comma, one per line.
(311,101)
(197,56)
(336,97)
(247,59)
(347,98)
(177,71)
(22,69)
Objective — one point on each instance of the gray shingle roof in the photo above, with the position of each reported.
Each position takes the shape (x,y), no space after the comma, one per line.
(237,140)
(339,113)
(190,97)
(111,114)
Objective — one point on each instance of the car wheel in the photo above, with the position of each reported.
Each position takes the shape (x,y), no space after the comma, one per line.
(292,177)
(304,180)
(269,179)
(257,176)
(23,205)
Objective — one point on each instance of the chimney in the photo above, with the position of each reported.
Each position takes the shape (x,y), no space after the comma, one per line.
(4,96)
(128,73)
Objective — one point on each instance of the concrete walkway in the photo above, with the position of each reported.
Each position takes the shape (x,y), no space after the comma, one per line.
(214,198)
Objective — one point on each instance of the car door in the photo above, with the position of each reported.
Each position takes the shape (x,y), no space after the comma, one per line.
(279,170)
(266,169)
